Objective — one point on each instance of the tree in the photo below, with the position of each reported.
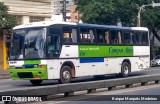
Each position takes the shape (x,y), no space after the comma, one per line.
(94,11)
(150,19)
(109,12)
(6,20)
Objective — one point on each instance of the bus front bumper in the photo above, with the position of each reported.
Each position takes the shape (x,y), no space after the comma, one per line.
(29,74)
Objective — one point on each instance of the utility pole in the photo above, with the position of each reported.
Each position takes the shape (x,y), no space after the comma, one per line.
(64,10)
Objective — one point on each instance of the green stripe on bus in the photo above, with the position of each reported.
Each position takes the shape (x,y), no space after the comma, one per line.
(104,51)
(32,62)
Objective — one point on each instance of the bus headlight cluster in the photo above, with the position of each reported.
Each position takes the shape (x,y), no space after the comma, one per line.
(39,66)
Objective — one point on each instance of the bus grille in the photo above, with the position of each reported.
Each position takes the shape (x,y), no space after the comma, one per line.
(25,75)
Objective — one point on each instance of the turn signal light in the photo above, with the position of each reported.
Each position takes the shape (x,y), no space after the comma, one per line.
(41,66)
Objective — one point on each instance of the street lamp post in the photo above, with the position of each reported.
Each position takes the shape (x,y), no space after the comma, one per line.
(141,8)
(139,14)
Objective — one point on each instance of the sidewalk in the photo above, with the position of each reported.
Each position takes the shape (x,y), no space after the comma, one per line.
(4,74)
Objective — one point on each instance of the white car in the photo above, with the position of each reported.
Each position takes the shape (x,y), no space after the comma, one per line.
(156,61)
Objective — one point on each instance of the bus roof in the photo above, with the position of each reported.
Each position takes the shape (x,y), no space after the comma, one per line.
(41,24)
(139,28)
(48,23)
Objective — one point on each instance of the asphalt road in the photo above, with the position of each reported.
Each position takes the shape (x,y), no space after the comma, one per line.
(9,83)
(99,97)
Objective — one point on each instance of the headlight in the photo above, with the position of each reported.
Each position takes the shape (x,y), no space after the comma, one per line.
(39,66)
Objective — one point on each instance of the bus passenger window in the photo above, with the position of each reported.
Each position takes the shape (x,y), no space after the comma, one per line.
(74,35)
(100,40)
(144,38)
(127,38)
(120,37)
(53,46)
(69,35)
(86,35)
(101,36)
(107,37)
(66,38)
(114,37)
(92,40)
(137,38)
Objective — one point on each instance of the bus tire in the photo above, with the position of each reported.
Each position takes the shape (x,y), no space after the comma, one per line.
(36,82)
(125,69)
(65,75)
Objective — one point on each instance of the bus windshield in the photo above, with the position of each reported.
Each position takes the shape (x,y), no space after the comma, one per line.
(28,43)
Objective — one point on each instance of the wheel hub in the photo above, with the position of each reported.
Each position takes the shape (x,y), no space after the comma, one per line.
(66,75)
(126,70)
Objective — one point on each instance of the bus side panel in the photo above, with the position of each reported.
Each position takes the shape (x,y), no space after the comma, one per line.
(53,68)
(69,51)
(143,52)
(113,66)
(84,69)
(102,68)
(134,63)
(116,63)
(91,66)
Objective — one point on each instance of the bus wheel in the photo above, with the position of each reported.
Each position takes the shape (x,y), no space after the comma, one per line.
(65,75)
(125,69)
(36,82)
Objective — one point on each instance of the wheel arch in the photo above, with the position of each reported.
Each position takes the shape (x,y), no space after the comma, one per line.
(71,65)
(129,62)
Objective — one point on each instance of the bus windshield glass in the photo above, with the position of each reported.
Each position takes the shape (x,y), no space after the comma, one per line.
(28,43)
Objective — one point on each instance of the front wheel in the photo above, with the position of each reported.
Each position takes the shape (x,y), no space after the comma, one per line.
(65,75)
(36,82)
(125,69)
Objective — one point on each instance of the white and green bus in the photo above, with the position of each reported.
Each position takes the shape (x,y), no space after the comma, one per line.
(49,50)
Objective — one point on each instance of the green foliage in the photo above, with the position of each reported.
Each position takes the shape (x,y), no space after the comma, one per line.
(95,11)
(155,51)
(126,11)
(110,11)
(6,20)
(150,17)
